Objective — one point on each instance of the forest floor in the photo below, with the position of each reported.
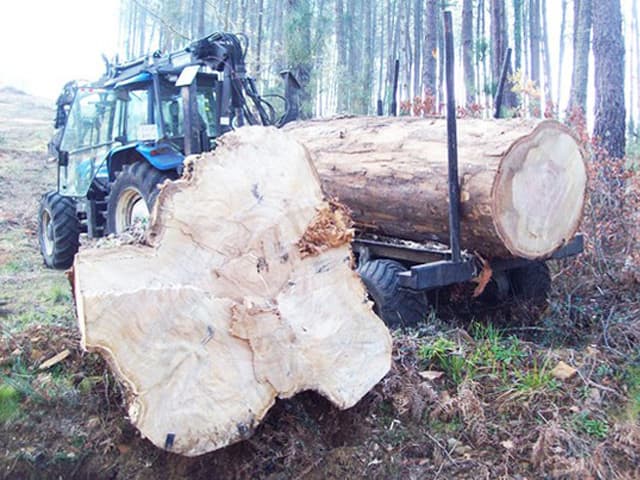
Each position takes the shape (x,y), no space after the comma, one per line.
(490,395)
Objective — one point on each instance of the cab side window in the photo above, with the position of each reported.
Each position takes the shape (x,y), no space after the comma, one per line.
(89,122)
(137,112)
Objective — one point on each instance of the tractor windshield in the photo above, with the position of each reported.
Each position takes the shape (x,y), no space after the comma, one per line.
(86,139)
(172,112)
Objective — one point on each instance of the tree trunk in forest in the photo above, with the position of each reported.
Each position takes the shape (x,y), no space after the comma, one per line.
(546,58)
(381,56)
(243,294)
(368,57)
(581,47)
(563,29)
(635,73)
(418,14)
(498,44)
(534,38)
(522,185)
(298,49)
(409,54)
(430,49)
(440,88)
(499,40)
(258,69)
(341,47)
(517,32)
(200,32)
(481,48)
(608,52)
(467,52)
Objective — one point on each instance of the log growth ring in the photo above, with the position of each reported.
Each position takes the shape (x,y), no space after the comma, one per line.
(534,193)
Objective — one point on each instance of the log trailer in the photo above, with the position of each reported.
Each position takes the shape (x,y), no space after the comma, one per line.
(399,273)
(121,137)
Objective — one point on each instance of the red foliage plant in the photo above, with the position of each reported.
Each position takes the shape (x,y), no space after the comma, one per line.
(612,213)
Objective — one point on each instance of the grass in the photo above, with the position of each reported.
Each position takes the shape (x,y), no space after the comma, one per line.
(10,397)
(535,379)
(594,427)
(59,294)
(632,381)
(501,363)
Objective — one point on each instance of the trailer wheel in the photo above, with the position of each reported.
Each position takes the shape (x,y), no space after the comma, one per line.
(531,283)
(133,195)
(397,307)
(58,230)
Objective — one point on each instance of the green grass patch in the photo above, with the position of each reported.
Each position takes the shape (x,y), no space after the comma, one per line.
(10,398)
(632,381)
(536,378)
(449,357)
(504,361)
(594,427)
(15,266)
(59,294)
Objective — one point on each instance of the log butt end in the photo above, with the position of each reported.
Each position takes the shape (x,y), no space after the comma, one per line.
(539,193)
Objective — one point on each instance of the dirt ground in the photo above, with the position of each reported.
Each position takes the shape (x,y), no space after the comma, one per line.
(469,396)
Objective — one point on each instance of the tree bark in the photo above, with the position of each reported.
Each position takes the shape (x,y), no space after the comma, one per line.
(243,294)
(430,49)
(467,51)
(517,32)
(546,59)
(298,49)
(522,187)
(534,38)
(341,48)
(581,47)
(498,39)
(608,52)
(418,15)
(563,29)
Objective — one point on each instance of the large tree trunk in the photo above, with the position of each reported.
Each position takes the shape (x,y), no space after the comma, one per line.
(522,188)
(608,52)
(245,293)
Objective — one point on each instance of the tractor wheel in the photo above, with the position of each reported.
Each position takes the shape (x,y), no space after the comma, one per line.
(133,194)
(397,307)
(58,230)
(531,283)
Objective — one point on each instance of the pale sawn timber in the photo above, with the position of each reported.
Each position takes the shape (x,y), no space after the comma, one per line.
(523,182)
(245,294)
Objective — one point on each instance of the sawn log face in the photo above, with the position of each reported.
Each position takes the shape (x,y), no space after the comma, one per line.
(245,294)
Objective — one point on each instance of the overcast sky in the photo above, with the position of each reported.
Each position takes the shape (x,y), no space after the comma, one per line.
(45,43)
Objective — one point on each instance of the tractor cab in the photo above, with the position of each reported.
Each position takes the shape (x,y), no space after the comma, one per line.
(119,138)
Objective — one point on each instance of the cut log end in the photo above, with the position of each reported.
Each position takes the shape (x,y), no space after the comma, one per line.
(246,295)
(539,191)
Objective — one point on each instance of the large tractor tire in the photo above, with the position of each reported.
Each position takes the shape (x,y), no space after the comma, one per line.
(58,230)
(397,307)
(531,283)
(133,195)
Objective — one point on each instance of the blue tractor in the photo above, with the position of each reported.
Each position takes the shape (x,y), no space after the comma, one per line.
(119,138)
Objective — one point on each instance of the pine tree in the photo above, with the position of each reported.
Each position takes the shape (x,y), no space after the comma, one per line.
(608,52)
